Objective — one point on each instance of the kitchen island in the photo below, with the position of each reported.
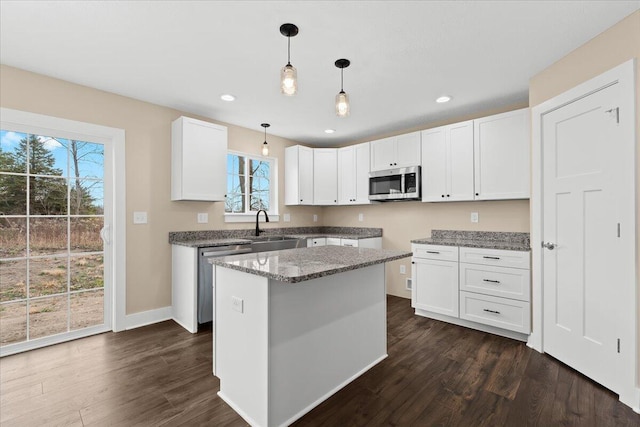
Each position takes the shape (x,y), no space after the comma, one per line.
(293,327)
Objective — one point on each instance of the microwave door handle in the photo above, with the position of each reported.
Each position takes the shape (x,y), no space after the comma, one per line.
(402,184)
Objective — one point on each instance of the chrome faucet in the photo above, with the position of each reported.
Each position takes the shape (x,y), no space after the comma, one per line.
(258,231)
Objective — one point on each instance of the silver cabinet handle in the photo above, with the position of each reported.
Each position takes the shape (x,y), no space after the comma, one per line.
(432,252)
(490,311)
(491,281)
(549,245)
(491,257)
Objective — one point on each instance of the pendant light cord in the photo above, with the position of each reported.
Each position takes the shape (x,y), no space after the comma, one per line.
(288,50)
(341,79)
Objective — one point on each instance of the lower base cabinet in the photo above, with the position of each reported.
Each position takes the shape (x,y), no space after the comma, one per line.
(485,289)
(369,242)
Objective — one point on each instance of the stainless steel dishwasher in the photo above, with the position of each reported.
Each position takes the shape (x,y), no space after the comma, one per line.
(205,276)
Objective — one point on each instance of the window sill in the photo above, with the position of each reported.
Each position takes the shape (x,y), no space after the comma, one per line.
(249,218)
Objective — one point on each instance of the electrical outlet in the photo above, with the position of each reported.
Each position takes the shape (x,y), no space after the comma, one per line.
(203,218)
(287,217)
(237,304)
(139,217)
(408,283)
(315,218)
(403,269)
(360,217)
(474,216)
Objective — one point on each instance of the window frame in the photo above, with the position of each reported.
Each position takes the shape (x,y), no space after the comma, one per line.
(273,190)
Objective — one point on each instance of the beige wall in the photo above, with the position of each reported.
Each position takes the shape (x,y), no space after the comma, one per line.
(148,168)
(614,46)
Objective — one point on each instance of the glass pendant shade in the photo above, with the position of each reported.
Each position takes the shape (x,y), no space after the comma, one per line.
(265,149)
(342,104)
(288,80)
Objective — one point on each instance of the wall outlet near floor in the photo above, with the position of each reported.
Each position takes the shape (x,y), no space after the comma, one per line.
(203,218)
(237,304)
(403,269)
(139,217)
(474,216)
(287,217)
(360,217)
(315,218)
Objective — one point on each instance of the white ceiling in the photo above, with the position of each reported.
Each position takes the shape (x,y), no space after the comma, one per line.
(404,54)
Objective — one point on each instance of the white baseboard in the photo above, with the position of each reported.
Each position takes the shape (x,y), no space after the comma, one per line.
(149,317)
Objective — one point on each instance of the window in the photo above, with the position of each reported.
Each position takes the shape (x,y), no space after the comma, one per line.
(251,186)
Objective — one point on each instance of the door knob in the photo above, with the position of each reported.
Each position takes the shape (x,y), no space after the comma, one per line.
(549,245)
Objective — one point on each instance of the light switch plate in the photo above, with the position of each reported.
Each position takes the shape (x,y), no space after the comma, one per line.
(139,217)
(237,304)
(474,216)
(287,217)
(315,218)
(361,217)
(203,218)
(403,269)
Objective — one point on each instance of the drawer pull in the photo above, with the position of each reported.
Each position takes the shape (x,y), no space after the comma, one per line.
(491,281)
(490,311)
(491,257)
(433,252)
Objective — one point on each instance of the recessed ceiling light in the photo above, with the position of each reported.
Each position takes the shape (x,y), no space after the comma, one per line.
(227,97)
(329,130)
(443,99)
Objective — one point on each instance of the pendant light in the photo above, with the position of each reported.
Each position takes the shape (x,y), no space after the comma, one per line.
(288,74)
(265,146)
(342,99)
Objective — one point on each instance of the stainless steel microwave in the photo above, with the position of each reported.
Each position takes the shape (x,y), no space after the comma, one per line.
(395,184)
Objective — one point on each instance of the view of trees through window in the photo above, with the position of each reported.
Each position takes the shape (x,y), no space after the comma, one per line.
(248,184)
(51,253)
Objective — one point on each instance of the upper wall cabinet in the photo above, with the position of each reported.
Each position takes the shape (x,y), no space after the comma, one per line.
(298,175)
(325,176)
(395,152)
(447,163)
(501,151)
(198,160)
(353,174)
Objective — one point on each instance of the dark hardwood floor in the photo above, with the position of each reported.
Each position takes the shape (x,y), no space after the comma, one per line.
(436,375)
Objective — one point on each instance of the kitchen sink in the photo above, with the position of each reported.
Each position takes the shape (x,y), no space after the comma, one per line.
(276,243)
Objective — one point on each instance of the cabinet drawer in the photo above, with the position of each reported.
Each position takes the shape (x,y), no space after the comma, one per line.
(499,312)
(515,259)
(444,253)
(497,281)
(350,242)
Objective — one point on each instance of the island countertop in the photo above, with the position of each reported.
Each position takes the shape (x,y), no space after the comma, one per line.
(298,265)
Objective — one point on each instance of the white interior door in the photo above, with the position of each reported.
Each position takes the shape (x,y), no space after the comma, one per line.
(584,188)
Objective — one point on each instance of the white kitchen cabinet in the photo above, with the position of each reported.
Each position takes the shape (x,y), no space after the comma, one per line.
(501,152)
(369,242)
(434,270)
(492,287)
(325,176)
(298,175)
(396,152)
(318,241)
(353,174)
(334,241)
(447,163)
(184,287)
(198,160)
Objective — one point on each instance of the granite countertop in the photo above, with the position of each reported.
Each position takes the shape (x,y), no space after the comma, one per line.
(478,239)
(298,265)
(211,238)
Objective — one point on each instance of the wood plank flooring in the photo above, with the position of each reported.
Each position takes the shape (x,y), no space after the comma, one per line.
(436,374)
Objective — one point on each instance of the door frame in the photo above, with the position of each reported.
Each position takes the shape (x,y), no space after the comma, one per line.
(114,139)
(623,75)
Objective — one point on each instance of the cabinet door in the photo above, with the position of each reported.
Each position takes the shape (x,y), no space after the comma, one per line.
(325,180)
(460,161)
(501,145)
(305,178)
(347,175)
(407,150)
(435,286)
(362,173)
(198,160)
(320,241)
(334,241)
(383,154)
(434,171)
